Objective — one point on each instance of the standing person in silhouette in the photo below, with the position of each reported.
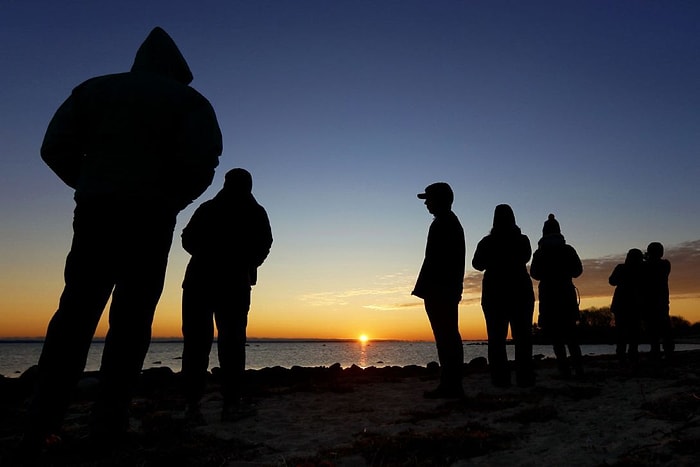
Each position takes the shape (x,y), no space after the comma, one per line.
(228,237)
(656,272)
(507,297)
(628,305)
(137,147)
(555,264)
(440,283)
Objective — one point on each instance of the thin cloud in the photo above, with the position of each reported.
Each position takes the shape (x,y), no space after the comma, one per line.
(393,289)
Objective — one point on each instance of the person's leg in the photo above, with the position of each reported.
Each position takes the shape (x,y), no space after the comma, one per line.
(443,317)
(198,335)
(88,285)
(621,337)
(633,337)
(667,340)
(231,322)
(497,330)
(653,330)
(572,341)
(521,327)
(145,239)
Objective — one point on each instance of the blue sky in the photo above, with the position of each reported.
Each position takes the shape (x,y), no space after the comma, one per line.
(344,110)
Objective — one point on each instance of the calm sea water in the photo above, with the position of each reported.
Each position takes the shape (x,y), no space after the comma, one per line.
(16,357)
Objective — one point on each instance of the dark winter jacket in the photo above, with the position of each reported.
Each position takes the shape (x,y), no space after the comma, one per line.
(628,298)
(143,135)
(503,257)
(442,273)
(228,237)
(555,264)
(656,293)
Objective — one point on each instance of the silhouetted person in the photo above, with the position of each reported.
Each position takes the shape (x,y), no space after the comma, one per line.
(555,264)
(507,297)
(137,147)
(440,283)
(656,272)
(228,237)
(628,305)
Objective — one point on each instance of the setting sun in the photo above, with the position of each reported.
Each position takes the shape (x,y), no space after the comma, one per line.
(363,338)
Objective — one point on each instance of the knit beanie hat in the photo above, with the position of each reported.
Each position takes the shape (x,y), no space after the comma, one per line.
(551,226)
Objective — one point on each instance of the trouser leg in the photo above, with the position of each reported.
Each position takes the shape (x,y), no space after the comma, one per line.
(88,285)
(444,321)
(231,322)
(521,327)
(198,335)
(497,330)
(141,274)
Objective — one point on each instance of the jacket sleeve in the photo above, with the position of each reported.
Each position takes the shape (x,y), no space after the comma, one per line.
(199,147)
(525,249)
(479,261)
(264,238)
(615,277)
(576,265)
(194,231)
(60,149)
(535,266)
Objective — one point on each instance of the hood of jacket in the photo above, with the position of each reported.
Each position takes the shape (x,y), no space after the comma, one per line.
(551,240)
(159,54)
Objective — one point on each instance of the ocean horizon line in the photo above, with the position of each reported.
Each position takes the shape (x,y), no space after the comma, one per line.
(250,340)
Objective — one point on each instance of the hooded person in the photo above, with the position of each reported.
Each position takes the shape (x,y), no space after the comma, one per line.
(555,264)
(507,297)
(137,147)
(627,305)
(228,237)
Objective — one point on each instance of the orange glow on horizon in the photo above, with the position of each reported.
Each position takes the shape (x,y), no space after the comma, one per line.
(363,338)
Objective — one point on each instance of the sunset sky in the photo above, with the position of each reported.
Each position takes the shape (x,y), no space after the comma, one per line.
(344,110)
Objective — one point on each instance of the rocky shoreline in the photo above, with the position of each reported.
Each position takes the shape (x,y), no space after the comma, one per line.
(377,416)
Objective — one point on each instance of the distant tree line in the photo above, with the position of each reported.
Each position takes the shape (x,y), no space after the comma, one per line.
(597,326)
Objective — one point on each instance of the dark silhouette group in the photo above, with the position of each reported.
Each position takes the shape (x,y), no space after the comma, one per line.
(508,299)
(138,147)
(641,303)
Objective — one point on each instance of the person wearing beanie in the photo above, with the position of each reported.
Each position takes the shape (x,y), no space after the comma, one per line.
(228,237)
(440,283)
(656,272)
(507,298)
(555,264)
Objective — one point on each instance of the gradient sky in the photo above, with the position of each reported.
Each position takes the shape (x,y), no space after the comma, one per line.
(344,110)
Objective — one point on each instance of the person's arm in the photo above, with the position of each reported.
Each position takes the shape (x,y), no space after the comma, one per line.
(535,266)
(479,261)
(60,149)
(576,265)
(615,277)
(198,149)
(264,238)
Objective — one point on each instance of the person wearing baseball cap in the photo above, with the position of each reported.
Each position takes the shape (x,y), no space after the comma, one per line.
(440,283)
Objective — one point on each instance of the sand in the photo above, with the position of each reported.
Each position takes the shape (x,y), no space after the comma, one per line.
(355,417)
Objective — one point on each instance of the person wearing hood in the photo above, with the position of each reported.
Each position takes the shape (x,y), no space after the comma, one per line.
(628,305)
(507,297)
(136,148)
(228,237)
(555,264)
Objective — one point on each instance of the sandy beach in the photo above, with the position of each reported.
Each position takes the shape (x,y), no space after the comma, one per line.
(377,416)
